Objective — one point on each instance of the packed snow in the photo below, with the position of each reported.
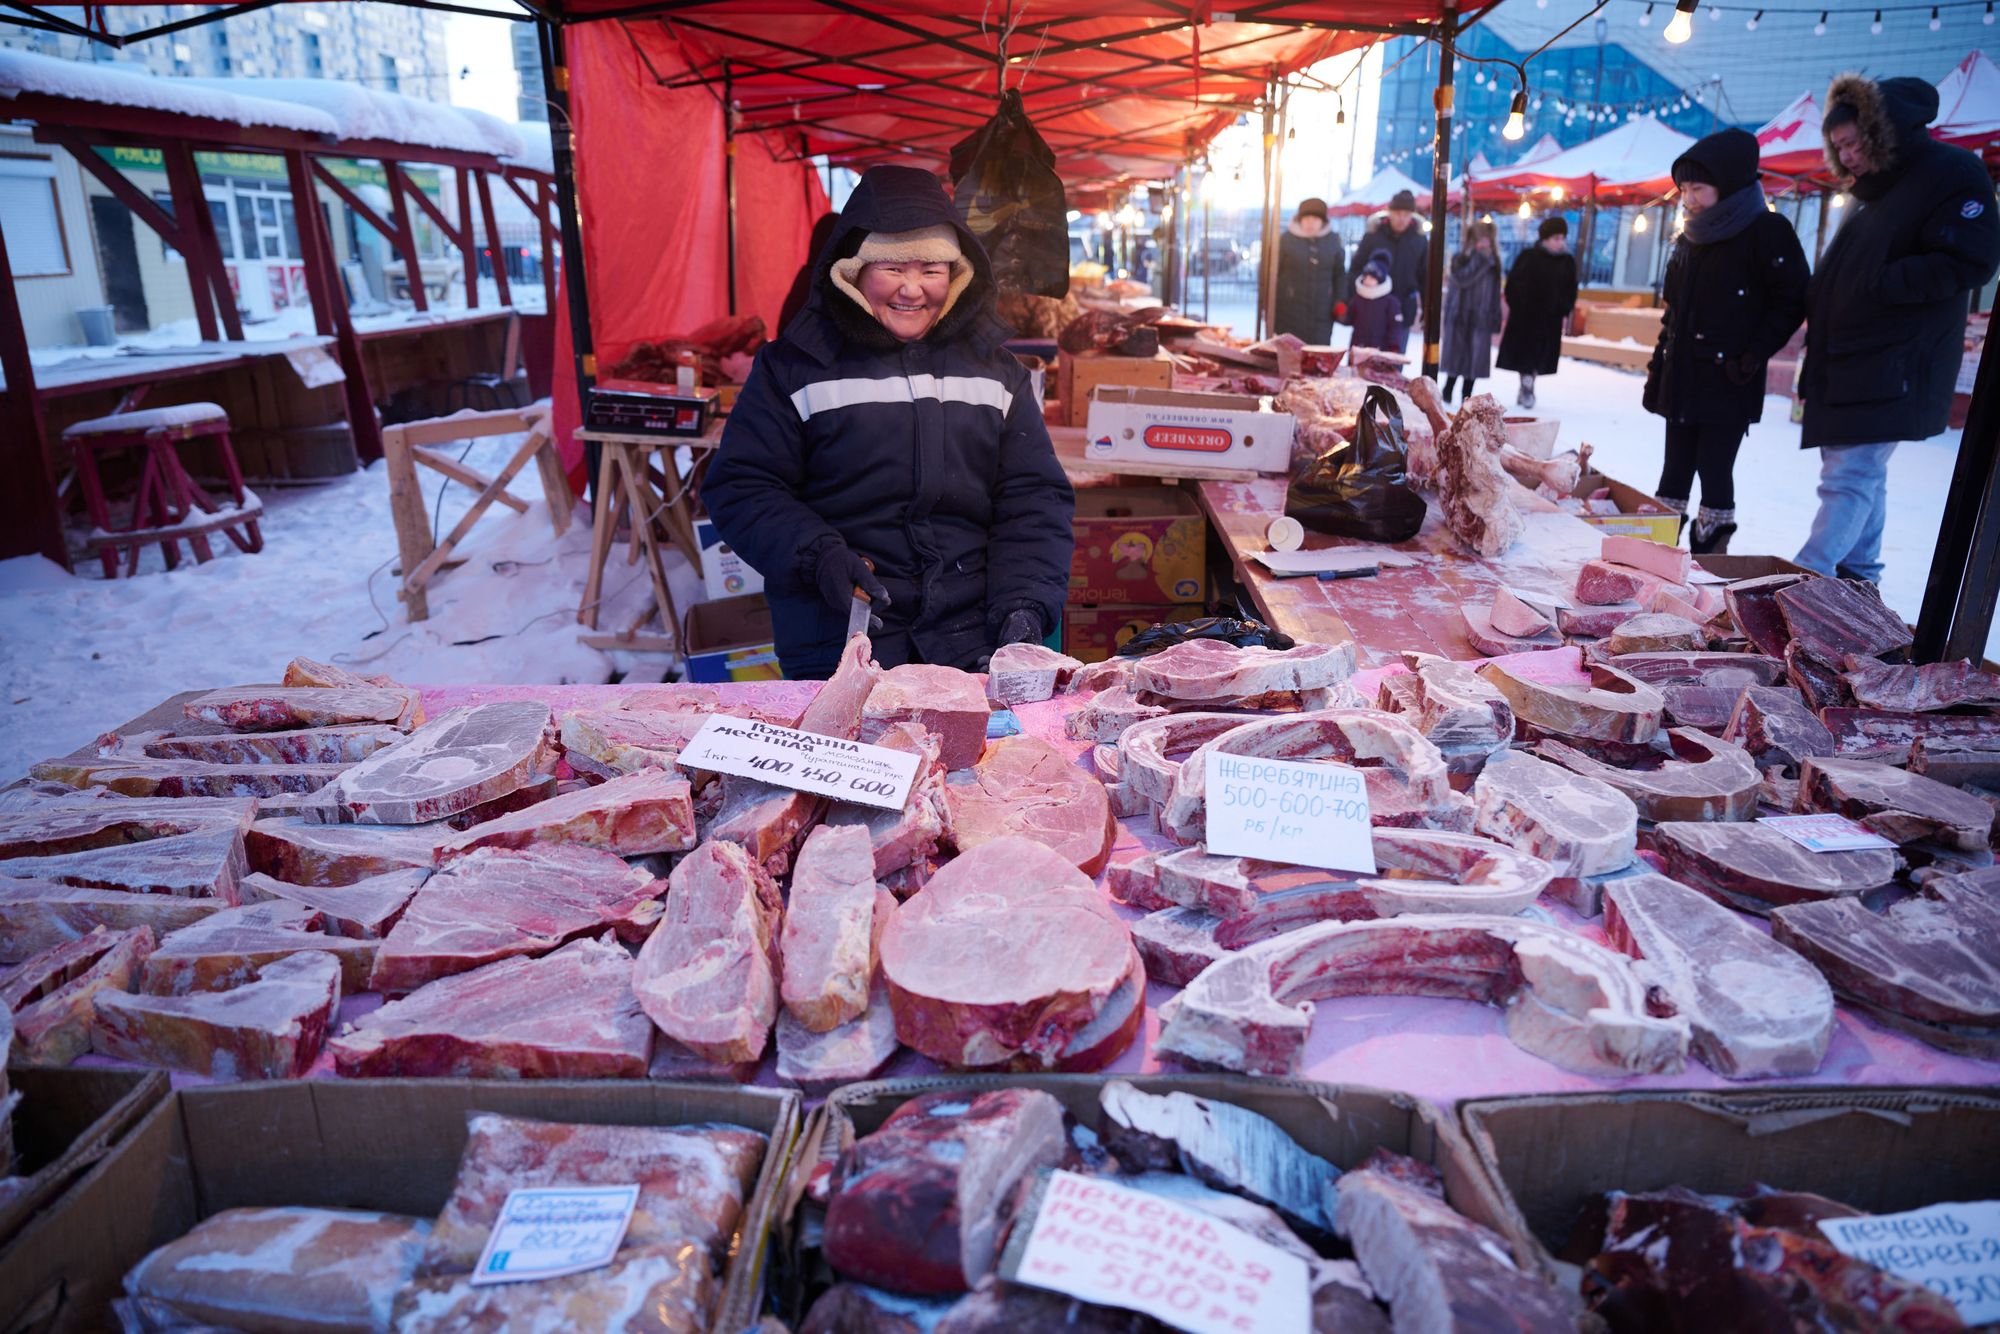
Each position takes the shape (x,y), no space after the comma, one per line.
(128,86)
(374,114)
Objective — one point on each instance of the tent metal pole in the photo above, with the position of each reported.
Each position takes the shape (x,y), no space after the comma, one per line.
(729,170)
(1207,257)
(555,87)
(1440,184)
(1267,261)
(1965,568)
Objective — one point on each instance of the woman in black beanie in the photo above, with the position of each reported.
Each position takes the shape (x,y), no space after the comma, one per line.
(1541,292)
(1735,292)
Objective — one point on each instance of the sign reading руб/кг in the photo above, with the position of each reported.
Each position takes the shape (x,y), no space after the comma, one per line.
(1115,1246)
(1285,811)
(803,761)
(1952,1249)
(550,1231)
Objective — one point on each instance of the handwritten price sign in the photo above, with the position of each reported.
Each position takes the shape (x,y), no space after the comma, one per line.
(1952,1249)
(1284,811)
(546,1232)
(1116,1246)
(803,761)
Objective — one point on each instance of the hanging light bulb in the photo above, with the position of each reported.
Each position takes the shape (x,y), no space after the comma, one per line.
(1875,28)
(1987,17)
(1523,210)
(1819,29)
(1840,201)
(1713,13)
(1340,114)
(1517,123)
(1750,24)
(1646,19)
(1936,22)
(1556,193)
(1681,26)
(1639,225)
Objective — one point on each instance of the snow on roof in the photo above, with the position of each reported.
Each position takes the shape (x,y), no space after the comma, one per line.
(1377,191)
(537,154)
(119,85)
(364,113)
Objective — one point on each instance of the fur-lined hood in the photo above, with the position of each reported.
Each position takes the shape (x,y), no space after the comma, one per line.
(1887,115)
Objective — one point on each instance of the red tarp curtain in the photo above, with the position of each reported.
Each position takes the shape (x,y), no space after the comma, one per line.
(652,201)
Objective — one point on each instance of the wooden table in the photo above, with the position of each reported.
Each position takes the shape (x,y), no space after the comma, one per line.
(657,505)
(1414,607)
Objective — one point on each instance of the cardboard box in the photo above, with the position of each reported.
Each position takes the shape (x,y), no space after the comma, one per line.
(1231,433)
(1077,376)
(390,1144)
(1094,633)
(1639,515)
(1879,1149)
(66,1120)
(730,640)
(1138,544)
(1341,1123)
(723,572)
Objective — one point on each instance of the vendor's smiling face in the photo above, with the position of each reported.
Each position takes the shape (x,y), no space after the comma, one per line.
(906,298)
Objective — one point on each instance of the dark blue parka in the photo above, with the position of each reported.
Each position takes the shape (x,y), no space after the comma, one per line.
(930,458)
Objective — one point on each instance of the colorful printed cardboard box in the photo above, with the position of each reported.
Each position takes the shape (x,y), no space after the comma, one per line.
(1138,545)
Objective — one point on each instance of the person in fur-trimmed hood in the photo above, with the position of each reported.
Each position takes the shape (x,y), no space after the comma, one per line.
(887,442)
(1886,310)
(1312,276)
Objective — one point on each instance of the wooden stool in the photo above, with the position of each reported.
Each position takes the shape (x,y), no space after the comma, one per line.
(168,505)
(641,486)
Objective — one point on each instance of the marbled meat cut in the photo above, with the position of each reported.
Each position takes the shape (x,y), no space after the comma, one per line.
(1816,679)
(1858,731)
(917,1206)
(708,975)
(828,940)
(1027,674)
(609,742)
(1613,707)
(1150,752)
(566,1015)
(1456,709)
(693,1181)
(187,778)
(1215,1141)
(631,815)
(491,905)
(1753,605)
(1408,785)
(364,910)
(1177,943)
(317,854)
(1578,824)
(458,760)
(1928,962)
(1874,684)
(1105,714)
(1773,724)
(949,703)
(227,948)
(270,1027)
(643,1290)
(309,745)
(1900,806)
(1702,779)
(1600,583)
(1209,669)
(1024,787)
(854,1051)
(1753,868)
(1656,632)
(286,1268)
(272,708)
(1438,1270)
(51,826)
(36,915)
(1418,871)
(1005,957)
(910,835)
(1722,670)
(51,994)
(1758,1010)
(1836,617)
(835,710)
(202,864)
(1572,1003)
(767,821)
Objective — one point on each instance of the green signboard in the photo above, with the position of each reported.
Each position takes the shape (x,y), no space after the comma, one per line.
(270,167)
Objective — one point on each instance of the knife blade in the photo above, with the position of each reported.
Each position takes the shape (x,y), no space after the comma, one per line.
(857,614)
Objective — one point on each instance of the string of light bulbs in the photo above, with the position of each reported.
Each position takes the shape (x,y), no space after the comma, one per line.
(1681,26)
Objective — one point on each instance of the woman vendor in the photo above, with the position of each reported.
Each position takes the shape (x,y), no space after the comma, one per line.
(886,441)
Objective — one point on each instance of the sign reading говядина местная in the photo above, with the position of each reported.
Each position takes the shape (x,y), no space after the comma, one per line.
(803,761)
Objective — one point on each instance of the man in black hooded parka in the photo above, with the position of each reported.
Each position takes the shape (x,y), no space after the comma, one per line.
(886,441)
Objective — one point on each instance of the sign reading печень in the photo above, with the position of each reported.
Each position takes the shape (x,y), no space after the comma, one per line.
(803,761)
(1115,1246)
(1284,811)
(1952,1249)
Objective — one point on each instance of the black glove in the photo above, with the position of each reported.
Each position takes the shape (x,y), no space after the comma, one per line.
(1742,369)
(1021,627)
(840,572)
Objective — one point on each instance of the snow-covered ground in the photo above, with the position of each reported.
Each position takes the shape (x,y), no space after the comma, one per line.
(79,654)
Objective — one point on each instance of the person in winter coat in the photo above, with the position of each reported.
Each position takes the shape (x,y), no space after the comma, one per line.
(1541,292)
(1734,294)
(1312,276)
(1405,251)
(1374,311)
(1886,310)
(887,442)
(1471,311)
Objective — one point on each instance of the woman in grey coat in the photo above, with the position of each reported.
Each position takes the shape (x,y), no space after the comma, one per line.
(1471,311)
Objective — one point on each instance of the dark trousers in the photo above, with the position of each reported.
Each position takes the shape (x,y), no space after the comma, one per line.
(1705,449)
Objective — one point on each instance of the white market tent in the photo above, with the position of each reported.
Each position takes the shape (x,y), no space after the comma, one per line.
(1630,164)
(1375,194)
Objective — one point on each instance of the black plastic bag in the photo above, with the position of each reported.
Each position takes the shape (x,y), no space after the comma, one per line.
(1009,196)
(1357,489)
(1230,629)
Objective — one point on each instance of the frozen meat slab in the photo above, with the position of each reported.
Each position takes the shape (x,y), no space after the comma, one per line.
(270,1027)
(708,974)
(1024,787)
(631,815)
(460,759)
